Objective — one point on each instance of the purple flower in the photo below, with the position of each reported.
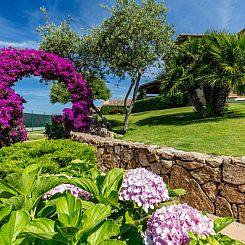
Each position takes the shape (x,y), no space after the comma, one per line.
(143,187)
(170,225)
(16,64)
(75,191)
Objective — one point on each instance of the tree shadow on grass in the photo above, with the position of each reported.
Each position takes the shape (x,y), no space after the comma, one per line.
(186,118)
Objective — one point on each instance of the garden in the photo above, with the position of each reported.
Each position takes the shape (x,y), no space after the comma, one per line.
(54,191)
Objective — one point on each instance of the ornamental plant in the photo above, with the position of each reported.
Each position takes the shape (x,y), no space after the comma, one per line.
(28,218)
(16,64)
(171,224)
(144,188)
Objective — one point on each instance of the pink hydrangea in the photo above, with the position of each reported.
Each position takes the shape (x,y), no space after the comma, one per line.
(170,225)
(75,191)
(143,187)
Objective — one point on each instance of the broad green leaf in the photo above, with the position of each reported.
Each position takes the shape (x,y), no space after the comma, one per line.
(107,230)
(93,217)
(5,212)
(69,210)
(22,182)
(176,192)
(86,184)
(221,223)
(42,229)
(17,222)
(112,182)
(113,242)
(16,202)
(46,183)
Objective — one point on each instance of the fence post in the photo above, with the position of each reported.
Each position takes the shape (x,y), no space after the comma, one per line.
(32,120)
(44,119)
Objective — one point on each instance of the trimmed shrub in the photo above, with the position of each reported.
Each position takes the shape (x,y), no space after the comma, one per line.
(108,109)
(161,102)
(55,156)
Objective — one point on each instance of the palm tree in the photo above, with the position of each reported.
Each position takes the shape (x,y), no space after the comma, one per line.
(183,72)
(225,67)
(215,63)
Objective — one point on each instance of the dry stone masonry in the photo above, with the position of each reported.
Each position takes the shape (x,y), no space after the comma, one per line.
(215,184)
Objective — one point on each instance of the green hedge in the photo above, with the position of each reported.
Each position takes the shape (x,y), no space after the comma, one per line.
(161,102)
(55,156)
(108,109)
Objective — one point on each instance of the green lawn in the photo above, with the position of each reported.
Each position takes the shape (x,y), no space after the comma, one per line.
(36,135)
(181,129)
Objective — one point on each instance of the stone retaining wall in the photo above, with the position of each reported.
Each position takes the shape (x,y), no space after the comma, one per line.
(215,184)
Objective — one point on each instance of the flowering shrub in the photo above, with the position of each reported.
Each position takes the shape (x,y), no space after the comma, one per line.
(16,64)
(143,187)
(171,224)
(75,191)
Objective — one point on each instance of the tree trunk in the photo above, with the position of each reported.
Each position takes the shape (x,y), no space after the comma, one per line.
(196,102)
(104,119)
(219,100)
(129,109)
(208,95)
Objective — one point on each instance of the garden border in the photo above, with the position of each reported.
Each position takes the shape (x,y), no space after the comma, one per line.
(215,184)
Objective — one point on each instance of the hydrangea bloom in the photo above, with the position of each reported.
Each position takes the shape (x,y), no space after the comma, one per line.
(170,225)
(16,64)
(75,191)
(143,187)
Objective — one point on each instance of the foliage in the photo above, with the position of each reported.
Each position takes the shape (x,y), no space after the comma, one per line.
(66,43)
(109,109)
(15,64)
(216,239)
(161,102)
(56,131)
(55,156)
(135,37)
(27,218)
(213,63)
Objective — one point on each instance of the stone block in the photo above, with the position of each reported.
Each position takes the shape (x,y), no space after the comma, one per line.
(190,165)
(211,190)
(223,207)
(215,161)
(232,194)
(143,160)
(234,173)
(206,174)
(195,197)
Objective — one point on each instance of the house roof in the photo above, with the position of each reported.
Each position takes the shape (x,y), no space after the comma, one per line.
(183,37)
(116,102)
(152,87)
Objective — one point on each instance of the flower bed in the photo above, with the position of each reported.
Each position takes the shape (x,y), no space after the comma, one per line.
(101,208)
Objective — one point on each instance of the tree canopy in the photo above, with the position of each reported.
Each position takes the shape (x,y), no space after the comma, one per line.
(135,37)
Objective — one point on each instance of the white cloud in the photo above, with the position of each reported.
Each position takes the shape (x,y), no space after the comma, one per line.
(25,44)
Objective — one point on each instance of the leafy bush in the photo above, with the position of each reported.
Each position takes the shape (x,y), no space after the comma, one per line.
(56,131)
(27,218)
(161,102)
(108,109)
(54,155)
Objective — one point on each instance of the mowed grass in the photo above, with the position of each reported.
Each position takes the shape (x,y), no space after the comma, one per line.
(182,129)
(36,135)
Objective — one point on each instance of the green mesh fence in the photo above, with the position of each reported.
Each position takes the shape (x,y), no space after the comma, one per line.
(32,120)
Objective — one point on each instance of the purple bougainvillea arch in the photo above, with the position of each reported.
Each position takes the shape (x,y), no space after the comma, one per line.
(16,64)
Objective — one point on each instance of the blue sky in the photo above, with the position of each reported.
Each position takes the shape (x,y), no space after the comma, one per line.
(19,19)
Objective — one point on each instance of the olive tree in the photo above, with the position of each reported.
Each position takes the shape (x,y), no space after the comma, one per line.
(135,37)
